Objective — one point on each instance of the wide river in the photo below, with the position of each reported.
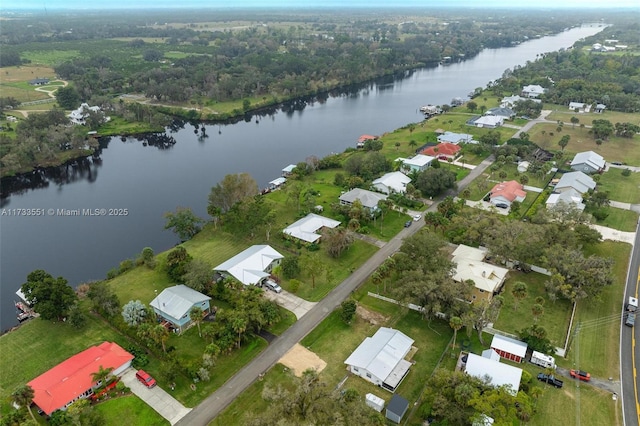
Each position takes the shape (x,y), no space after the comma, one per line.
(148,180)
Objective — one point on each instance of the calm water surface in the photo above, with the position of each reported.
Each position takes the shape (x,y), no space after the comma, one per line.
(148,180)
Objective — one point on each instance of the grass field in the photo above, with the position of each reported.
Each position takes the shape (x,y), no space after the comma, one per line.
(625,189)
(556,314)
(622,220)
(129,407)
(51,57)
(25,73)
(614,149)
(563,114)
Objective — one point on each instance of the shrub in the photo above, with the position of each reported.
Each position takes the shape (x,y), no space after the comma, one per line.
(626,172)
(294,286)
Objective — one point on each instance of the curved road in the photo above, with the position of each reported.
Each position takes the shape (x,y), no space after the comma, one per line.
(215,403)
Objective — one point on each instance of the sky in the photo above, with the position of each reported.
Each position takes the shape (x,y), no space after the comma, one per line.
(189,4)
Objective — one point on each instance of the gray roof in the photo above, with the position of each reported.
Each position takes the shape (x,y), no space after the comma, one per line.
(249,266)
(176,301)
(381,353)
(568,198)
(455,138)
(306,228)
(502,112)
(576,180)
(589,158)
(398,405)
(367,198)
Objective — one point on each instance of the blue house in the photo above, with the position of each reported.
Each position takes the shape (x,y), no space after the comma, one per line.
(174,303)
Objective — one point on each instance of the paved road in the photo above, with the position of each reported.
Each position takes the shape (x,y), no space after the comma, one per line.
(629,352)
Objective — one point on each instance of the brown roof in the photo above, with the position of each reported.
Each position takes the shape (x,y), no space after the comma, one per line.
(444,148)
(365,138)
(509,190)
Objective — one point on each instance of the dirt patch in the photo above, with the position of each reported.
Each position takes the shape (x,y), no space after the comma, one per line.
(373,318)
(569,394)
(300,358)
(26,73)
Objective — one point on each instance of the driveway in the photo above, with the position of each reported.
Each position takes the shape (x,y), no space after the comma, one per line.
(614,234)
(166,405)
(290,302)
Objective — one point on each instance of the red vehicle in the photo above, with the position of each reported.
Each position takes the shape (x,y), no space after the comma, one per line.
(145,378)
(579,374)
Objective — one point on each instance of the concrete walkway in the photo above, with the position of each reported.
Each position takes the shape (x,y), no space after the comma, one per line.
(484,205)
(156,398)
(290,302)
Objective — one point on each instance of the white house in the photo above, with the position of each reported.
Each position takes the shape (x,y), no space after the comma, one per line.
(489,121)
(174,304)
(380,358)
(504,112)
(569,198)
(510,101)
(576,181)
(417,163)
(495,372)
(600,108)
(276,183)
(368,199)
(579,107)
(456,138)
(252,266)
(487,278)
(532,91)
(588,162)
(306,229)
(78,116)
(288,170)
(392,182)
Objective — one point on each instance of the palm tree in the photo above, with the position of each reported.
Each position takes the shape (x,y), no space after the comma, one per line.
(413,143)
(23,396)
(537,310)
(101,375)
(456,324)
(519,292)
(196,316)
(239,325)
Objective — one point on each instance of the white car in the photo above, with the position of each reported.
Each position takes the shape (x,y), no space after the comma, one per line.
(417,217)
(273,286)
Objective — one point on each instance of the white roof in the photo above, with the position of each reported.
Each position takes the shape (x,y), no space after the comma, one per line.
(590,158)
(380,354)
(491,354)
(499,374)
(469,266)
(277,182)
(489,120)
(305,228)
(568,198)
(576,180)
(368,199)
(419,160)
(577,104)
(533,88)
(455,138)
(396,181)
(176,301)
(374,401)
(248,267)
(289,168)
(507,344)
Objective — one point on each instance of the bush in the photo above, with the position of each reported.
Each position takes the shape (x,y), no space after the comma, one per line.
(294,286)
(626,172)
(600,214)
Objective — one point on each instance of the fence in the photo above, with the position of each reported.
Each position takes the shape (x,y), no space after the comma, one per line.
(41,101)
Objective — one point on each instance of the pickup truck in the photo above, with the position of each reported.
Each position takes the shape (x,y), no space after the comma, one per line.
(550,379)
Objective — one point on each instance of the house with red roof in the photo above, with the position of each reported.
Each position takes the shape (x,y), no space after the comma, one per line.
(505,193)
(442,151)
(72,379)
(362,139)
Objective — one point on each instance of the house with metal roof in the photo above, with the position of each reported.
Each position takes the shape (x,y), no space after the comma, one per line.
(252,266)
(288,170)
(72,379)
(417,163)
(567,199)
(577,181)
(489,121)
(174,303)
(456,138)
(494,372)
(511,349)
(470,265)
(392,182)
(579,107)
(306,229)
(588,162)
(532,91)
(380,359)
(506,113)
(39,81)
(368,199)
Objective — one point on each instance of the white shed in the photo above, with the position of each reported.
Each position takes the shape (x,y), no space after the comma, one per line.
(374,402)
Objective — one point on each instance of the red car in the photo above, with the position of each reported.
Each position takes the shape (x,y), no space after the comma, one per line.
(579,374)
(145,378)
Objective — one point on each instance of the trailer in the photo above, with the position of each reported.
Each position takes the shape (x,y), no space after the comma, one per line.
(632,306)
(545,361)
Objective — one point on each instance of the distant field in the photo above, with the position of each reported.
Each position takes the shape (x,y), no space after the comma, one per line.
(49,57)
(562,113)
(25,73)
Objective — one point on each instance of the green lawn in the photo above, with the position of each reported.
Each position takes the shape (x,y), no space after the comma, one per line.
(622,220)
(51,57)
(556,314)
(562,113)
(130,408)
(614,149)
(625,189)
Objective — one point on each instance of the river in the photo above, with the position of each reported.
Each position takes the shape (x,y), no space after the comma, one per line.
(149,178)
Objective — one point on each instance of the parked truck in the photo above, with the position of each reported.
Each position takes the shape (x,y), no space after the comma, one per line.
(632,305)
(545,361)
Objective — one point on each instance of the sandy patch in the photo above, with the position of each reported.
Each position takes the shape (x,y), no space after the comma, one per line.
(300,358)
(373,318)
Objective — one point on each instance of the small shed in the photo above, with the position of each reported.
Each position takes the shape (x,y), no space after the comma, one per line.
(276,183)
(511,349)
(396,409)
(374,402)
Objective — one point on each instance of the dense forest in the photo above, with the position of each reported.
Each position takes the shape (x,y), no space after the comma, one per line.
(265,55)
